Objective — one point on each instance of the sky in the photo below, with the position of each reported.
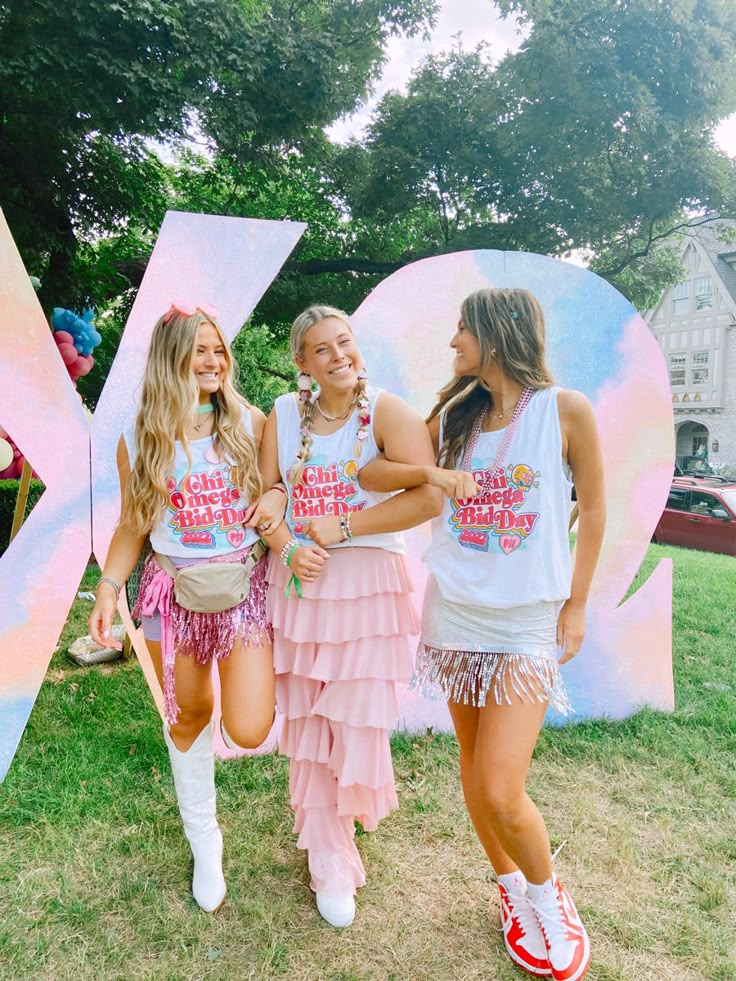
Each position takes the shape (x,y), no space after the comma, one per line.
(475,20)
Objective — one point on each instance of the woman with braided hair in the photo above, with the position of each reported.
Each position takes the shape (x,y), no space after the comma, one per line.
(339,596)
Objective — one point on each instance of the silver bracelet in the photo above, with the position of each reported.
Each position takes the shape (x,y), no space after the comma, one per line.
(112,583)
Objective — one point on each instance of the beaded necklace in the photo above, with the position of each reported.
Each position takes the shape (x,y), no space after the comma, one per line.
(486,484)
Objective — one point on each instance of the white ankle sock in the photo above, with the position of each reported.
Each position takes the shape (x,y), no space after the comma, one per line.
(542,894)
(513,882)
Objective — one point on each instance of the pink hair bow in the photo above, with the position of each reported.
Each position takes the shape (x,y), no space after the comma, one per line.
(189,309)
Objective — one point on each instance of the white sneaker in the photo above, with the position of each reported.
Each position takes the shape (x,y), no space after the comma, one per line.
(336,902)
(568,946)
(337,908)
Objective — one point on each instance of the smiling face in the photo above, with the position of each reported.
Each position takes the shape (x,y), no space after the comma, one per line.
(209,361)
(467,352)
(330,355)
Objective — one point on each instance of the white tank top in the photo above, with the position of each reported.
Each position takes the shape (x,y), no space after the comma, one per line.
(204,511)
(509,546)
(330,481)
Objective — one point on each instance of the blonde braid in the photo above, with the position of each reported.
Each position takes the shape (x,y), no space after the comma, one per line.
(364,414)
(297,471)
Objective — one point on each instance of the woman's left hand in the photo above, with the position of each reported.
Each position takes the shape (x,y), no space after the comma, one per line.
(324,531)
(267,513)
(570,629)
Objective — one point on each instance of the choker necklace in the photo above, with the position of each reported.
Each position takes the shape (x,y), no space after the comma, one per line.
(335,418)
(202,410)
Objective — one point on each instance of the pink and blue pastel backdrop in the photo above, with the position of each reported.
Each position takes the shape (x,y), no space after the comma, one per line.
(41,569)
(228,262)
(597,343)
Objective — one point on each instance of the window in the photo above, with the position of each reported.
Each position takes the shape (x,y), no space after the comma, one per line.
(677,369)
(681,299)
(702,503)
(703,293)
(699,366)
(676,500)
(700,446)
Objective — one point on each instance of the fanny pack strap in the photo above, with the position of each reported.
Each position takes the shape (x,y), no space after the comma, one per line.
(259,549)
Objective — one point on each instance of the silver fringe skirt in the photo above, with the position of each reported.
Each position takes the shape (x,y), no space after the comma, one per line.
(465,652)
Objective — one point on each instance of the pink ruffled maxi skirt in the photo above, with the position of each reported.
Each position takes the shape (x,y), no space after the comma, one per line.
(338,653)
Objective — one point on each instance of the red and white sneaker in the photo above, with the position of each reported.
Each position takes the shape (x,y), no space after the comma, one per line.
(522,935)
(568,946)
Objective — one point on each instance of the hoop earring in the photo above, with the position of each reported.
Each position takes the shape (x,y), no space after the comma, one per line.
(304,383)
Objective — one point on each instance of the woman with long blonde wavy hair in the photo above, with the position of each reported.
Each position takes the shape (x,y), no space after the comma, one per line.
(189,482)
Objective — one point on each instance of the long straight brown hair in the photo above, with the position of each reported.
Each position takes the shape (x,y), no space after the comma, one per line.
(509,327)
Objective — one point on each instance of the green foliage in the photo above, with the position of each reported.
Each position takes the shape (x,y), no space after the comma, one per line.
(85,84)
(8,498)
(265,366)
(596,135)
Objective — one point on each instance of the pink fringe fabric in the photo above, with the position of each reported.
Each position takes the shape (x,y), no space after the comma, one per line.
(338,653)
(203,636)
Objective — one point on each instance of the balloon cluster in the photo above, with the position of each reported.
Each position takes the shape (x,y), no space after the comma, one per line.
(11,458)
(76,339)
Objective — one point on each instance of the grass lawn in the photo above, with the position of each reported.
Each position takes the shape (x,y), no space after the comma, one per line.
(94,869)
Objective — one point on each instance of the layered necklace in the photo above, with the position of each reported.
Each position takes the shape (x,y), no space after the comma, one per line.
(202,410)
(345,414)
(508,434)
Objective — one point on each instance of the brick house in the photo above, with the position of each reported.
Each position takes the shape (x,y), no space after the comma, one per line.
(695,325)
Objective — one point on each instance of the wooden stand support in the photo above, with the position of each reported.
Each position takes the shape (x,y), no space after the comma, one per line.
(21,500)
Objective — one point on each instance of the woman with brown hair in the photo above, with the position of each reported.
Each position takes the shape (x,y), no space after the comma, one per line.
(502,598)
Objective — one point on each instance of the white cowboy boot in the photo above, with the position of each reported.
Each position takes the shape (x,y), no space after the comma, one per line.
(194,779)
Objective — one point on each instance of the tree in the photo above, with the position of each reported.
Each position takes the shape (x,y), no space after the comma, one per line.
(596,135)
(253,77)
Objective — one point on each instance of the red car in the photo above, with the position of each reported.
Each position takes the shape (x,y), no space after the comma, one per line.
(700,513)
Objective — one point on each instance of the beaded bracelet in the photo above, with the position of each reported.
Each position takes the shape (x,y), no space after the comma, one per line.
(287,550)
(112,583)
(346,529)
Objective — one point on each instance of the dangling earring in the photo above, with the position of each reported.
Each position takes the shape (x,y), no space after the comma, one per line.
(304,383)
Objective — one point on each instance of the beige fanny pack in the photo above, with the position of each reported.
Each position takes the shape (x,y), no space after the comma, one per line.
(211,587)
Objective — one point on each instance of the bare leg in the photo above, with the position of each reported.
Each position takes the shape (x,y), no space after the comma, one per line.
(193,694)
(248,694)
(496,745)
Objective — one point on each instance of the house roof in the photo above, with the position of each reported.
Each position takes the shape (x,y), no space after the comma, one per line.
(717,248)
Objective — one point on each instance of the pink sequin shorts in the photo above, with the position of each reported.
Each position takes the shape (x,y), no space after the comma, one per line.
(203,636)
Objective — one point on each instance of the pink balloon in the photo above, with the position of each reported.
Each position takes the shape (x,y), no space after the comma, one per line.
(63,337)
(68,353)
(83,365)
(8,473)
